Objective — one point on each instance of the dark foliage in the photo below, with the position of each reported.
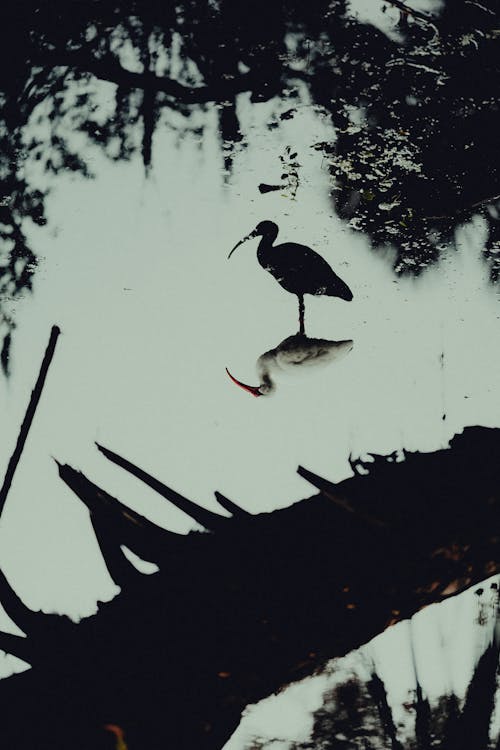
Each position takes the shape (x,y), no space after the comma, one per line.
(254,603)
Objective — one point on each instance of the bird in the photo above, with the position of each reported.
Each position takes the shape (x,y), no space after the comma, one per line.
(294,352)
(297,268)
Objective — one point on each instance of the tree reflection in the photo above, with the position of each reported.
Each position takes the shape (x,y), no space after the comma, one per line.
(417,115)
(356,714)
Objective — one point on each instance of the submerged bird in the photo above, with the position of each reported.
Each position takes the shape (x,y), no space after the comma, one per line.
(292,353)
(297,268)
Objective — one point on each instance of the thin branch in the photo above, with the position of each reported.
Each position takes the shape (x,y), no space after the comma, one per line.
(16,646)
(464,210)
(128,524)
(109,69)
(410,11)
(332,493)
(480,6)
(231,507)
(211,521)
(24,617)
(28,418)
(485,201)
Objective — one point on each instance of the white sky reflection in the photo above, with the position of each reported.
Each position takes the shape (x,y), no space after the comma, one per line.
(135,273)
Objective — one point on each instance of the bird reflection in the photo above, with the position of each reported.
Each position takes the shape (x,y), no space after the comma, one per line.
(297,268)
(294,352)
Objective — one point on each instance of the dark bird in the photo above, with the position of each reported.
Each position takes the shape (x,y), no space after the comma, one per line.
(297,268)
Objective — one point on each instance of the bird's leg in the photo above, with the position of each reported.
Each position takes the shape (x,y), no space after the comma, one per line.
(301,314)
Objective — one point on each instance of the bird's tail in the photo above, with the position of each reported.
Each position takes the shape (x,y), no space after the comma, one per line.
(340,289)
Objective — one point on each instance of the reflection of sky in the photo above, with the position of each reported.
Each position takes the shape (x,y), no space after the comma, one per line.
(430,647)
(136,275)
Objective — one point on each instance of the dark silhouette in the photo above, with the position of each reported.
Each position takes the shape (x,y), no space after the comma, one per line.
(293,354)
(297,268)
(30,413)
(354,714)
(250,605)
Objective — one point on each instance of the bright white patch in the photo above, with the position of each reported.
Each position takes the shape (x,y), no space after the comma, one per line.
(440,645)
(143,566)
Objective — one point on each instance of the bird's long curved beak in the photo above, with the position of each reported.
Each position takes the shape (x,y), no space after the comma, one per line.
(248,237)
(253,389)
(119,734)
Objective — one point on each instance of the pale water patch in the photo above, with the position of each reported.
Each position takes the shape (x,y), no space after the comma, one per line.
(152,312)
(440,647)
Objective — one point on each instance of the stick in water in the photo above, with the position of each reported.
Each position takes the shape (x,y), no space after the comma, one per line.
(30,413)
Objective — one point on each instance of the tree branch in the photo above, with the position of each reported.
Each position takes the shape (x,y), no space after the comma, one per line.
(109,69)
(410,11)
(30,413)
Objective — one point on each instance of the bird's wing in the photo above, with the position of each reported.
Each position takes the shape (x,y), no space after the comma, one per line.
(287,264)
(301,270)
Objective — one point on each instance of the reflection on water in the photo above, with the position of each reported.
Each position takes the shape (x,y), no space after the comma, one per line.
(257,602)
(353,697)
(415,154)
(415,109)
(292,355)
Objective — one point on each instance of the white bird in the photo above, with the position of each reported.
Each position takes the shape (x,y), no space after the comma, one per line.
(293,353)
